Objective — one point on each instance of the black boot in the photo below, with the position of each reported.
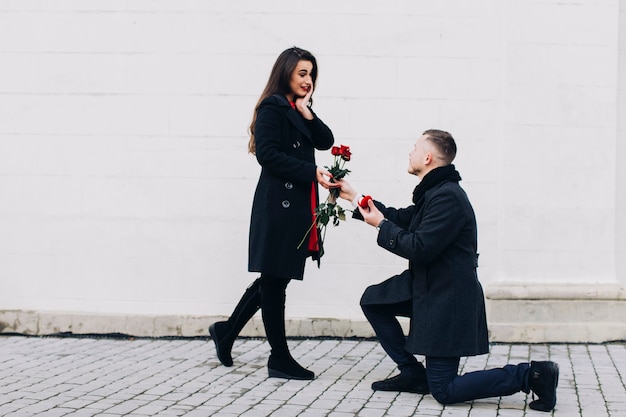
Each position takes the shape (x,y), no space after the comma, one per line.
(280,363)
(543,379)
(284,366)
(224,333)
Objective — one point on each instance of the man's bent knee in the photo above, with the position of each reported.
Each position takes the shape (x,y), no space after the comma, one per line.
(441,394)
(443,398)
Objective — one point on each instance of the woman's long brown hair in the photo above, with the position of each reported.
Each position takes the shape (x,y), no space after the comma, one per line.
(278,82)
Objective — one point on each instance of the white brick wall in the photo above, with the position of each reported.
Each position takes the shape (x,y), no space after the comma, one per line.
(621,152)
(125,186)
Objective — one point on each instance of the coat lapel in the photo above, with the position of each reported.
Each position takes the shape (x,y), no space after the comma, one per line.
(298,122)
(294,117)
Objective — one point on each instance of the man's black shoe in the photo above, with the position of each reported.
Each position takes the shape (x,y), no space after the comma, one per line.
(543,379)
(403,383)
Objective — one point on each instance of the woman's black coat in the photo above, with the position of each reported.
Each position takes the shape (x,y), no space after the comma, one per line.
(281,211)
(440,242)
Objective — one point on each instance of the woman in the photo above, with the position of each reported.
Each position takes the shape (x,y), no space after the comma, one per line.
(284,134)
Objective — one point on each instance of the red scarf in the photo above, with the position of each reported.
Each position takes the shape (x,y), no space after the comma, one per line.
(314,239)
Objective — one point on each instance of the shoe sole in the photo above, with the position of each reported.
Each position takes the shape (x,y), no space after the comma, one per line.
(274,373)
(416,391)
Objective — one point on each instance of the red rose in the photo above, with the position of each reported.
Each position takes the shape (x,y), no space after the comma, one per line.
(364,200)
(329,210)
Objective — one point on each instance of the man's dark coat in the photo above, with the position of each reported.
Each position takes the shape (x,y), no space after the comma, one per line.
(440,242)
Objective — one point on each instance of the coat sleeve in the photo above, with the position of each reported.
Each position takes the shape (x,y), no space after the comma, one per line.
(267,138)
(442,221)
(322,136)
(401,217)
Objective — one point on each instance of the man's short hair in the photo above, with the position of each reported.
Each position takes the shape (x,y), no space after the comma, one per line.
(444,142)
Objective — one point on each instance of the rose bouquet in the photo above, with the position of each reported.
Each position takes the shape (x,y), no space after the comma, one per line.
(329,209)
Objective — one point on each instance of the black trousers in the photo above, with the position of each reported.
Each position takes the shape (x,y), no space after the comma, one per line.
(445,384)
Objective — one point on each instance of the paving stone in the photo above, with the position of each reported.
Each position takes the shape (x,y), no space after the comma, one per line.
(88,377)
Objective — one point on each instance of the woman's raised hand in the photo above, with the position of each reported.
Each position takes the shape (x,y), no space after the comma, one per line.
(302,104)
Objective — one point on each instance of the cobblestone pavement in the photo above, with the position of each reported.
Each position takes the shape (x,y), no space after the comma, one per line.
(159,377)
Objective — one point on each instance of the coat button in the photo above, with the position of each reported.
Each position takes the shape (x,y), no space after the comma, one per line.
(296,145)
(286,204)
(288,185)
(392,243)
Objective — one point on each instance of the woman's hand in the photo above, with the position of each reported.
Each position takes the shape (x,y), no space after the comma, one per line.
(321,174)
(302,105)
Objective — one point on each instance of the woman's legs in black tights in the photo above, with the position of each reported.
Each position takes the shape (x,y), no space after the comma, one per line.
(224,333)
(280,363)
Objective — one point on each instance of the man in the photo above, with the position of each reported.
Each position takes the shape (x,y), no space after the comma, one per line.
(440,290)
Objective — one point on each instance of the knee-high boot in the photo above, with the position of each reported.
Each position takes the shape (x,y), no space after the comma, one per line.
(224,333)
(280,363)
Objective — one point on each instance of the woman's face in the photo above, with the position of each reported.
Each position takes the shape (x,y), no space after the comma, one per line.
(301,81)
